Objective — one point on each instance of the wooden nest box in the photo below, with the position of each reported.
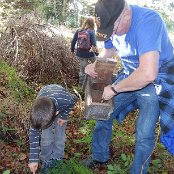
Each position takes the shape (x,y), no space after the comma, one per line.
(94,107)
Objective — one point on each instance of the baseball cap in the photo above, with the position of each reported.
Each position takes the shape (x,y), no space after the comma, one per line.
(107,12)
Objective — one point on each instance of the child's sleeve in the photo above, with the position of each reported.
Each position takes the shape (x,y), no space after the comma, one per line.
(74,40)
(92,38)
(34,137)
(68,108)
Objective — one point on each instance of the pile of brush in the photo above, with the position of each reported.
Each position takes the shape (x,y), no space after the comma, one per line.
(38,52)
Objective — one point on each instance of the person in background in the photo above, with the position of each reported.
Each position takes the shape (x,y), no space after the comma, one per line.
(146,82)
(48,124)
(87,49)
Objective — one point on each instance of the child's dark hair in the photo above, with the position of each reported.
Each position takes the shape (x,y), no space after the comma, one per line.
(42,113)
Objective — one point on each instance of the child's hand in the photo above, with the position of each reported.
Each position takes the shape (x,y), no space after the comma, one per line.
(33,167)
(61,122)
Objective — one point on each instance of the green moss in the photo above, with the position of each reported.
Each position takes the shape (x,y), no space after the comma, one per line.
(15,84)
(69,167)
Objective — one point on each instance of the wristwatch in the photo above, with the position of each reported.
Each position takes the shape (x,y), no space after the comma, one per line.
(113,89)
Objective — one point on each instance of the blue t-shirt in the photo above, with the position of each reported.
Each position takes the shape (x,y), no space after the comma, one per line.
(147,33)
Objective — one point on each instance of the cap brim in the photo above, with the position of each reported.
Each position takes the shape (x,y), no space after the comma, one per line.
(104,34)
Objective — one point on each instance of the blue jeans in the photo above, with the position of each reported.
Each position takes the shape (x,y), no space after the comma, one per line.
(52,144)
(147,102)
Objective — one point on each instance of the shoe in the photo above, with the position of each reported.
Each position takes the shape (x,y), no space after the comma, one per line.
(93,163)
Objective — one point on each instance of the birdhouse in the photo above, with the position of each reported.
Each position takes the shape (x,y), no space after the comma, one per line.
(95,107)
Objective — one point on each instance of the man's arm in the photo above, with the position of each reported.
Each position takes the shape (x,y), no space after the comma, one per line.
(145,74)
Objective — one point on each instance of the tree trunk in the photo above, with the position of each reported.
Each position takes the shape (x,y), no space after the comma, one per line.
(64,9)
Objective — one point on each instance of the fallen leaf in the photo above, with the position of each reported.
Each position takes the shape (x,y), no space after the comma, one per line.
(22,156)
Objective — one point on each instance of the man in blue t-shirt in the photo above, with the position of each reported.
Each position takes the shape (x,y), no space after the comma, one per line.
(139,36)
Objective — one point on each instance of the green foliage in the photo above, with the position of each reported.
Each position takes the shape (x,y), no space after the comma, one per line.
(18,87)
(3,113)
(6,172)
(15,155)
(115,169)
(69,167)
(122,165)
(52,11)
(72,20)
(86,129)
(155,166)
(86,139)
(127,159)
(20,143)
(44,9)
(9,8)
(157,163)
(122,134)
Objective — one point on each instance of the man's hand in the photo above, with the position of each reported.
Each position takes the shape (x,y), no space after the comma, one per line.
(89,69)
(107,93)
(33,167)
(61,122)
